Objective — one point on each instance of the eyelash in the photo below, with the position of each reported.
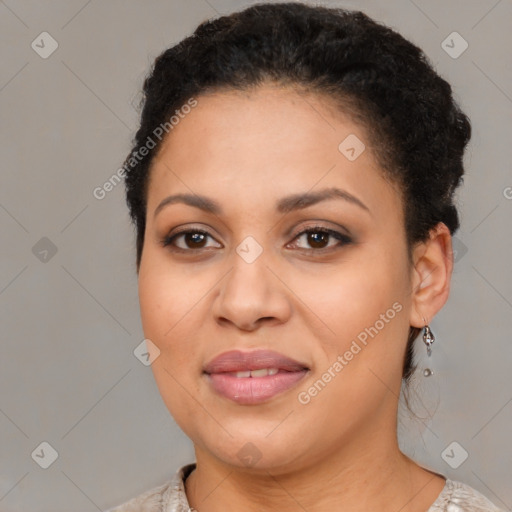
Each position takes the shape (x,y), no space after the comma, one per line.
(341,237)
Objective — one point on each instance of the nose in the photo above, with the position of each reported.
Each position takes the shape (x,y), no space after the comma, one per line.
(251,295)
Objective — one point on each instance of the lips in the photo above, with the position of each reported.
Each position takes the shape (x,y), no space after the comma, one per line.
(237,361)
(253,377)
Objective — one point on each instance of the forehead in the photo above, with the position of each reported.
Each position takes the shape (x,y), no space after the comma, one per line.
(271,117)
(264,143)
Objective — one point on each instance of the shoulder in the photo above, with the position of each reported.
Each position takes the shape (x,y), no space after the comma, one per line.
(149,501)
(168,497)
(460,497)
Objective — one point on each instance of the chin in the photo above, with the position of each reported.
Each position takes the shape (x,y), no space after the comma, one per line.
(252,448)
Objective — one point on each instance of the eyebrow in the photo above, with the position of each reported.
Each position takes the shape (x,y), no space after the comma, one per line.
(284,205)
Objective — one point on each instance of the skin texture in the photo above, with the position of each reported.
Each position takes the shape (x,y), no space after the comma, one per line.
(339,451)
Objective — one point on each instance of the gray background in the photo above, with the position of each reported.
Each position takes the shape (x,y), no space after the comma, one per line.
(70,320)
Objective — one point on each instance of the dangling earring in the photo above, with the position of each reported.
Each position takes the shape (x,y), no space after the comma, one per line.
(428,339)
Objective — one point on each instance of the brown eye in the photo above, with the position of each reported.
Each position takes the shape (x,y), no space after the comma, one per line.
(319,238)
(192,239)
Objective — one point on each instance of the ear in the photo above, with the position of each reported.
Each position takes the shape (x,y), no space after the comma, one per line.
(432,272)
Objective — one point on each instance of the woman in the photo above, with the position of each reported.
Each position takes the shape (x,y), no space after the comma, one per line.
(292,187)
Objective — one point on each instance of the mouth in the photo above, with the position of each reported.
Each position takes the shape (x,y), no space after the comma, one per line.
(251,378)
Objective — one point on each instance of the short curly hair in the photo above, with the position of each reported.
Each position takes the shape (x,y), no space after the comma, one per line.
(381,80)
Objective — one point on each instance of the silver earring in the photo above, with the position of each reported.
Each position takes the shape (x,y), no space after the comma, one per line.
(428,339)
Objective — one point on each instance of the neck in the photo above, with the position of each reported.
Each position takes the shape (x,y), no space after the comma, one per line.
(367,473)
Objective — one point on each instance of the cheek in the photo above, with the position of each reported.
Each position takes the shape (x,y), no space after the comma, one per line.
(355,294)
(365,309)
(165,296)
(171,310)
(166,317)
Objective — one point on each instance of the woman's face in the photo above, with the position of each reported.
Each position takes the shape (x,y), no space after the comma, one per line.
(249,277)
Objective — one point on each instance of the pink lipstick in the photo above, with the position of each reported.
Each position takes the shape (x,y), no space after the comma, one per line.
(255,377)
